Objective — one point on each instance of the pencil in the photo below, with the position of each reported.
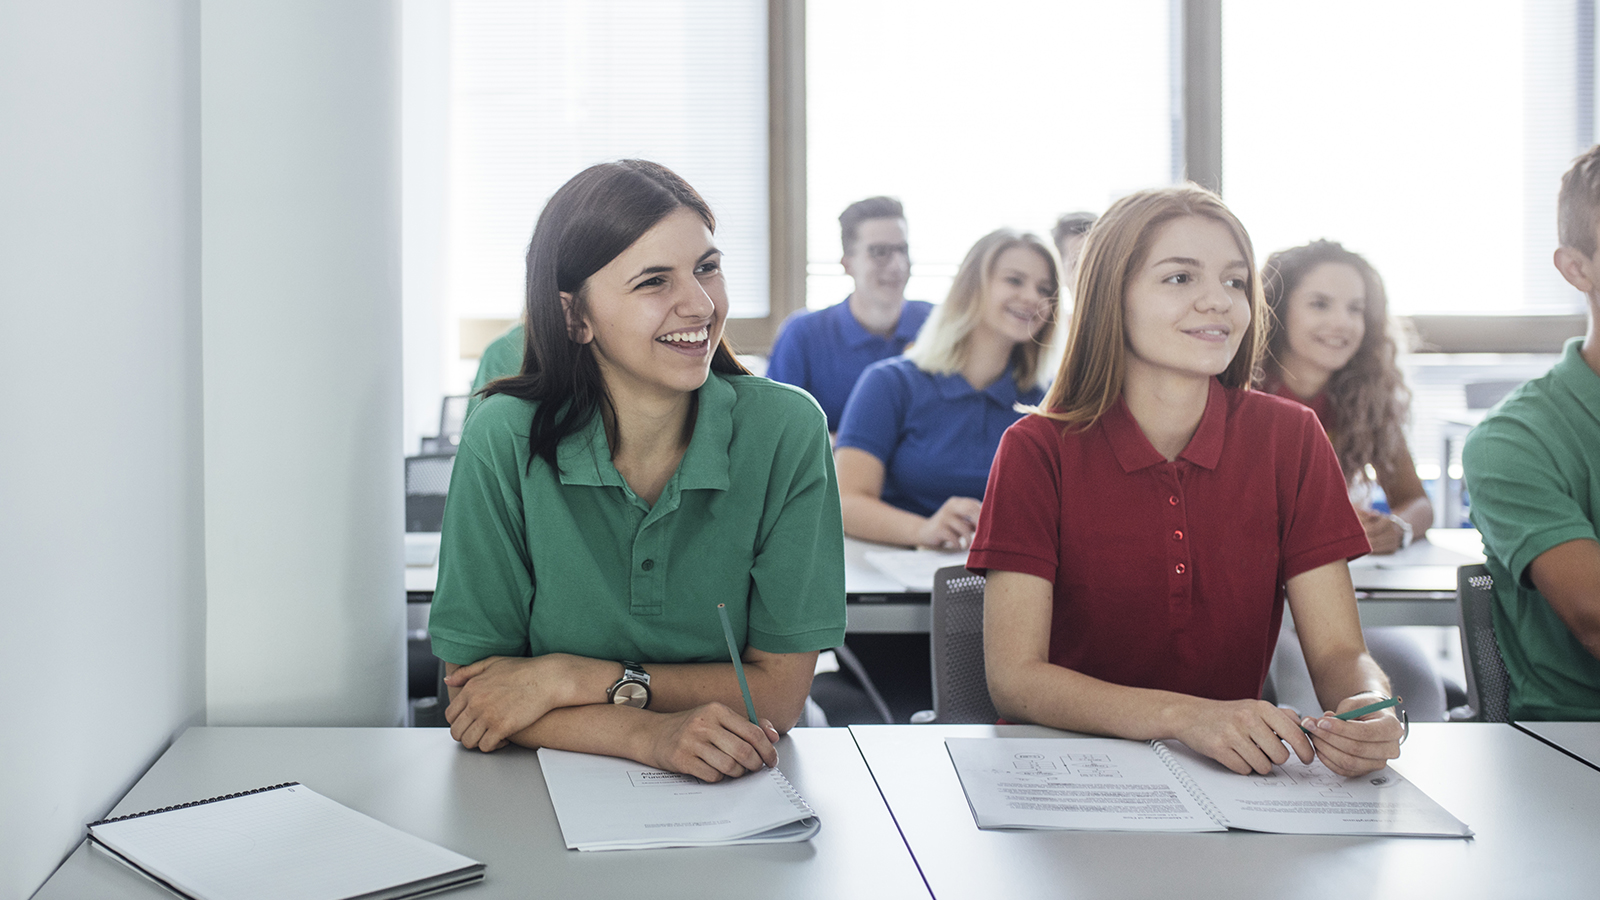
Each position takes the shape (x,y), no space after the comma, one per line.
(738,665)
(1360,711)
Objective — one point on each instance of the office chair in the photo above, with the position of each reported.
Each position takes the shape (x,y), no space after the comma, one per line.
(427,482)
(1488,685)
(960,685)
(452,415)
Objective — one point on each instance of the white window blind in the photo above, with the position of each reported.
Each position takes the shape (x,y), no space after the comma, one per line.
(541,89)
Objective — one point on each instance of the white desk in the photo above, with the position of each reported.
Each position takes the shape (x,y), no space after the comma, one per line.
(494,808)
(1536,813)
(1416,586)
(1581,739)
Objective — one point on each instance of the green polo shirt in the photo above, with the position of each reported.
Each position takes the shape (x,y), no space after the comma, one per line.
(501,358)
(535,561)
(1533,474)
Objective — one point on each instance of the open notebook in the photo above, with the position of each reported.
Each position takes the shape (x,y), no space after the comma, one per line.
(1104,784)
(284,841)
(606,803)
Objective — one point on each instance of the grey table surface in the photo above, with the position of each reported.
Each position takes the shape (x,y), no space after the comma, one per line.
(1535,811)
(1581,739)
(494,808)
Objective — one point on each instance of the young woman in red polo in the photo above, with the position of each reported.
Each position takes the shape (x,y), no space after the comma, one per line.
(1142,531)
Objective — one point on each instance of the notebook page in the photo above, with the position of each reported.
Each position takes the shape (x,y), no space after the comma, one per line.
(282,844)
(1296,798)
(606,803)
(1090,784)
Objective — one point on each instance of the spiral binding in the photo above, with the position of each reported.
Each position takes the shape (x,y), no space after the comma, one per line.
(151,812)
(792,795)
(1182,774)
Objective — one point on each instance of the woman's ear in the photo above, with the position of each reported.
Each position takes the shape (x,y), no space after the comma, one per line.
(577,329)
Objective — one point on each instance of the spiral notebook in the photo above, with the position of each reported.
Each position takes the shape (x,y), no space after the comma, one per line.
(1103,784)
(279,842)
(606,803)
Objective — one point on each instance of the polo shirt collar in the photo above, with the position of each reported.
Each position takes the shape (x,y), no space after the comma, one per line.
(856,337)
(1579,378)
(1134,451)
(951,386)
(585,455)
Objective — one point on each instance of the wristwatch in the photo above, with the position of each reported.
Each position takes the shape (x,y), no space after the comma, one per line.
(1405,530)
(633,688)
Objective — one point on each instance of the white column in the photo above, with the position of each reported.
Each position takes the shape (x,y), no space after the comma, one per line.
(300,279)
(102,579)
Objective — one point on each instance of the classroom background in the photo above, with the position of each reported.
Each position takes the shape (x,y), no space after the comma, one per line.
(249,248)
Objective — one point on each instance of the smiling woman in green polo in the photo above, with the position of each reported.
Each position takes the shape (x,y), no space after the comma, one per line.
(632,477)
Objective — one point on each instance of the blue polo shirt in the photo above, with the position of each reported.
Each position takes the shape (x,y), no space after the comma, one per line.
(935,434)
(824,352)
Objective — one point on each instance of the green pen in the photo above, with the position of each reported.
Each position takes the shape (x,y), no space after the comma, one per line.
(1360,711)
(738,665)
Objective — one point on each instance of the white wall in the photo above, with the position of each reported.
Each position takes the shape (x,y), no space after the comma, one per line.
(200,502)
(102,615)
(300,240)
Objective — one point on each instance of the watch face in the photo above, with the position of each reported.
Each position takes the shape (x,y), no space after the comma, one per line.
(631,693)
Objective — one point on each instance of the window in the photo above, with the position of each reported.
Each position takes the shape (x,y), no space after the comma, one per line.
(1428,136)
(978,116)
(540,89)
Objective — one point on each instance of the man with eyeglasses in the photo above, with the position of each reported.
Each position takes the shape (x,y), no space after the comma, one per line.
(824,352)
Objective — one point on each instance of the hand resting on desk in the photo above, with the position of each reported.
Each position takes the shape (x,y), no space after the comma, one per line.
(559,701)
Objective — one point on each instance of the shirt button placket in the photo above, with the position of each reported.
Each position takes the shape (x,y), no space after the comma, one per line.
(1179,579)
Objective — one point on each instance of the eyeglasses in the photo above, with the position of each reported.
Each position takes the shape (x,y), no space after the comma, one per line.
(882,253)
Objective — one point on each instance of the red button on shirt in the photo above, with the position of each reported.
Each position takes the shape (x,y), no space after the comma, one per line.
(1177,535)
(1264,500)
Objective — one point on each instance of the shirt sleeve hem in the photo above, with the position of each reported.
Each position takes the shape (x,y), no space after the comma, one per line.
(981,561)
(1535,545)
(801,642)
(461,654)
(1346,549)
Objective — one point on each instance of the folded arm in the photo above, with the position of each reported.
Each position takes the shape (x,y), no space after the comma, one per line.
(559,700)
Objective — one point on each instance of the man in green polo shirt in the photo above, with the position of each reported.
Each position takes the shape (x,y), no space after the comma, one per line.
(1533,472)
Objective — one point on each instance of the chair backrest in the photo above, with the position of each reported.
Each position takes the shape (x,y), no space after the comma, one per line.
(452,415)
(1488,685)
(1484,394)
(960,686)
(427,483)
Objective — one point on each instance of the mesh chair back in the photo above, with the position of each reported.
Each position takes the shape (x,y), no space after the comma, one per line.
(427,483)
(452,415)
(1488,685)
(960,686)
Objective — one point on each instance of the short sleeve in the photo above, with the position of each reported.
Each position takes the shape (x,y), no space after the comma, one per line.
(875,415)
(1320,526)
(787,362)
(797,590)
(1521,502)
(1019,527)
(486,583)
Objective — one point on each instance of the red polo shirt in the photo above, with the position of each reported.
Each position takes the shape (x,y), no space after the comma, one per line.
(1169,575)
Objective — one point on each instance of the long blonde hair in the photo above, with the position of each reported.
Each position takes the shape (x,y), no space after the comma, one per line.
(945,341)
(1092,371)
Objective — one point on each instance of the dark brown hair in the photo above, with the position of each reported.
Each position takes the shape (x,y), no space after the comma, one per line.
(860,211)
(588,222)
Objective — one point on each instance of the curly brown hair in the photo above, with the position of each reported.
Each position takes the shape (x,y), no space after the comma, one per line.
(1368,398)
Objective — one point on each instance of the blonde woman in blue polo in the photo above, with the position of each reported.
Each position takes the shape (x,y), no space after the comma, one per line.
(919,431)
(628,481)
